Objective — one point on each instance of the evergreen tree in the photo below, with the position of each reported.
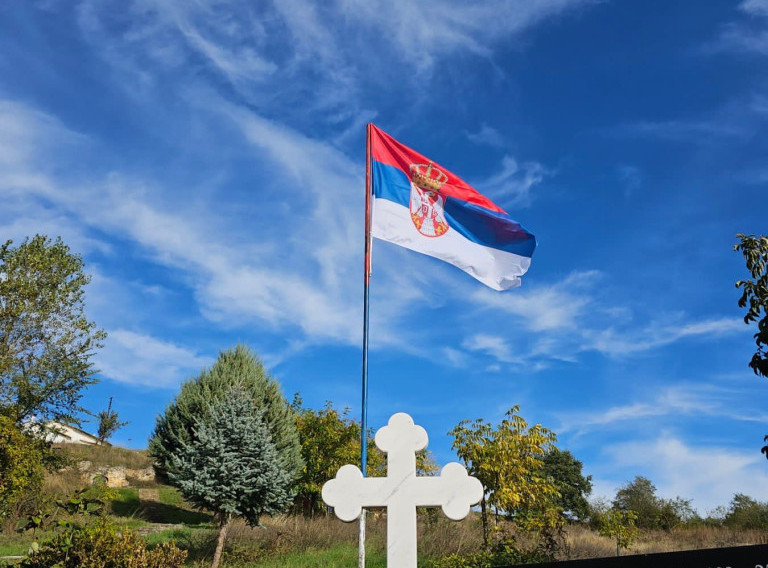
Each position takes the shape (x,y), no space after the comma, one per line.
(231,467)
(234,368)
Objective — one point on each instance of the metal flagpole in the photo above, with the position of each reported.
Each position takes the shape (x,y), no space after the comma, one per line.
(366,282)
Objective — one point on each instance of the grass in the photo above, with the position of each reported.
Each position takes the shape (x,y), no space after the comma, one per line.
(106,455)
(338,556)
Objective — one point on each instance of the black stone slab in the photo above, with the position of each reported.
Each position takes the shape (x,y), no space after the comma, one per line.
(755,556)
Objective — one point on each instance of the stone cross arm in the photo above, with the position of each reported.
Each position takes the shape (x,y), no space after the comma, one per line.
(453,490)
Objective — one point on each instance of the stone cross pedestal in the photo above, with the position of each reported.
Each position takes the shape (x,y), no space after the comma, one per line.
(402,491)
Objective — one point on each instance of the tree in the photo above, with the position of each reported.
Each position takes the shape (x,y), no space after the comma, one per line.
(46,342)
(21,465)
(508,461)
(652,512)
(108,423)
(746,513)
(237,367)
(329,440)
(639,496)
(574,488)
(754,295)
(231,466)
(620,526)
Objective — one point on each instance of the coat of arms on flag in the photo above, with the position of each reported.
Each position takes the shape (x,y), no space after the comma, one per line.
(427,205)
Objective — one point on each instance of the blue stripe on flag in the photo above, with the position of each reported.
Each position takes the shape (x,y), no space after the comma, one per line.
(475,223)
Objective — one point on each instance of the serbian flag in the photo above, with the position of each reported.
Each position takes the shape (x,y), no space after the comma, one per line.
(420,205)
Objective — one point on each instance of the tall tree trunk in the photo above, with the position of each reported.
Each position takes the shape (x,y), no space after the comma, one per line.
(223,528)
(484,516)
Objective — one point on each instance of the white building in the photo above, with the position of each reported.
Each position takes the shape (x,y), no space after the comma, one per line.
(58,433)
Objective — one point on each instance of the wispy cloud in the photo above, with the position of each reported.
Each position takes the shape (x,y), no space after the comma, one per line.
(512,185)
(276,54)
(560,321)
(709,475)
(486,136)
(748,34)
(614,342)
(674,402)
(495,346)
(545,308)
(139,359)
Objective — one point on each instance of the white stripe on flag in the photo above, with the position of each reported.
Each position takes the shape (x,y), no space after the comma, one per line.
(497,269)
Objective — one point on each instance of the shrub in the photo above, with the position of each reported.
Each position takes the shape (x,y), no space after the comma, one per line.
(21,466)
(103,546)
(503,553)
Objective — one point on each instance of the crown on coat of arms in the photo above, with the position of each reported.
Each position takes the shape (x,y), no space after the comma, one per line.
(427,177)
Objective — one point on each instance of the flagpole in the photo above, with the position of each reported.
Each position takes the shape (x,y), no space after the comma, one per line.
(366,282)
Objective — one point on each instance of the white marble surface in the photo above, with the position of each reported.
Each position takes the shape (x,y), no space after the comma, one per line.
(402,490)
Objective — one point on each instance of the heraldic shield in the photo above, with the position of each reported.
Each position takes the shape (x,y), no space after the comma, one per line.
(427,205)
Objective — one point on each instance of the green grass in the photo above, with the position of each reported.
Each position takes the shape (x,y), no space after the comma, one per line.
(170,496)
(338,556)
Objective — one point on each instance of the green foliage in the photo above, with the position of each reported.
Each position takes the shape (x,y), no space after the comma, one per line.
(652,512)
(504,552)
(619,525)
(329,440)
(46,342)
(639,496)
(231,466)
(566,472)
(103,546)
(108,423)
(21,465)
(508,461)
(754,295)
(746,513)
(234,368)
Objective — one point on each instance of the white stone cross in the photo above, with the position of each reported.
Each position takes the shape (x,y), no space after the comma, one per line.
(401,491)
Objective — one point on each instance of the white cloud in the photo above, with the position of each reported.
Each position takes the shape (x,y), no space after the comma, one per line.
(512,185)
(613,342)
(755,7)
(709,475)
(681,400)
(139,359)
(286,52)
(562,320)
(492,345)
(545,308)
(746,35)
(487,136)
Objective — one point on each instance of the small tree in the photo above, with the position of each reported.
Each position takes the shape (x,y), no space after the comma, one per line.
(108,423)
(46,342)
(754,295)
(508,462)
(21,465)
(620,526)
(231,466)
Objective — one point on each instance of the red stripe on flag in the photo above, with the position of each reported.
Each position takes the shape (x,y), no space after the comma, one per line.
(389,151)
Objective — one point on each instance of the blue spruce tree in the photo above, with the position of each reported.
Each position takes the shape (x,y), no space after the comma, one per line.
(231,467)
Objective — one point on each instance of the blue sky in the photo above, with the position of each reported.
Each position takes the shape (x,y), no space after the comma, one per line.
(207,161)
